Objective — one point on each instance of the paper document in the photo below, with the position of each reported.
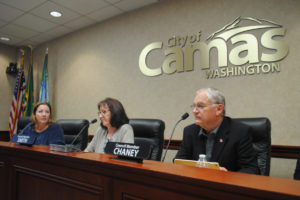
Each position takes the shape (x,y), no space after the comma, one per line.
(211,165)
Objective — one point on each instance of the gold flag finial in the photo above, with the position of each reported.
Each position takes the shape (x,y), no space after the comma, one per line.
(31,48)
(22,52)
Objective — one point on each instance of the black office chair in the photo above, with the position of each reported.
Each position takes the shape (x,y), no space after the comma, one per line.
(71,128)
(297,169)
(22,122)
(150,131)
(261,141)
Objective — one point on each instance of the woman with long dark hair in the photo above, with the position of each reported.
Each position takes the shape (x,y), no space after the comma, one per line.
(114,126)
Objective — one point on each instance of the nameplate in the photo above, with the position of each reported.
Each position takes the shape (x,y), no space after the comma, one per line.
(129,152)
(23,139)
(210,165)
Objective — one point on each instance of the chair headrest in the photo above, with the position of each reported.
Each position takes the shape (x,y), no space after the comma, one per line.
(147,127)
(22,122)
(261,127)
(71,125)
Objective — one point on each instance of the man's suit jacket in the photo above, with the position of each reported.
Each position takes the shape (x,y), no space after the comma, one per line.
(232,148)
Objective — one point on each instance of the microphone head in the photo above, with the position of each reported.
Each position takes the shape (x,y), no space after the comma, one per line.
(184,116)
(93,121)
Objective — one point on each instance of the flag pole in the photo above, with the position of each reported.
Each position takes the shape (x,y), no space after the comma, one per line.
(22,68)
(16,110)
(28,97)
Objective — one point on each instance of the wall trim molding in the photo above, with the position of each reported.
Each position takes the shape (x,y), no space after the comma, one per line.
(285,151)
(277,151)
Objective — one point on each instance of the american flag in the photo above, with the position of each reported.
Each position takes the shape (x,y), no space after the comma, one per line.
(16,105)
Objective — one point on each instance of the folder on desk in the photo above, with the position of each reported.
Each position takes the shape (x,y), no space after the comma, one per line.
(210,165)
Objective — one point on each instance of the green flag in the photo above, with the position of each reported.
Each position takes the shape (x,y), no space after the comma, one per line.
(28,97)
(44,91)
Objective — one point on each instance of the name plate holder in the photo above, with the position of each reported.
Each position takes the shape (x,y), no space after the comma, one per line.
(129,152)
(23,139)
(63,148)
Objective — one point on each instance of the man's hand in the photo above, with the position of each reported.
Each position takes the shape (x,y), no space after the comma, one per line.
(223,169)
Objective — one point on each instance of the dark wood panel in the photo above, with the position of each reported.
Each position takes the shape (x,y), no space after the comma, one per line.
(37,188)
(73,175)
(44,184)
(131,191)
(4,136)
(2,180)
(32,173)
(126,196)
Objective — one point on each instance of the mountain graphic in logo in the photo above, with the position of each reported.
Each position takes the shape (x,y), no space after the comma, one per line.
(236,27)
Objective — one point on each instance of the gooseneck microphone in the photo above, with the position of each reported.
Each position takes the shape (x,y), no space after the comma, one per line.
(91,122)
(183,117)
(70,147)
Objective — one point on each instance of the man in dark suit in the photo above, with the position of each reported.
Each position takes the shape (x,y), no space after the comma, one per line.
(222,139)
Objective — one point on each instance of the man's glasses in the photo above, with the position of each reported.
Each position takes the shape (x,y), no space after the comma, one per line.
(201,106)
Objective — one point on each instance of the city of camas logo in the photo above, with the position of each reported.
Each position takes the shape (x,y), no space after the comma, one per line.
(237,51)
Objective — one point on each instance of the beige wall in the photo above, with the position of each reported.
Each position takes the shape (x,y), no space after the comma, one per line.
(102,61)
(7,83)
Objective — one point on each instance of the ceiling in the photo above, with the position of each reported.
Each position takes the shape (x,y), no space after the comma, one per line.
(28,22)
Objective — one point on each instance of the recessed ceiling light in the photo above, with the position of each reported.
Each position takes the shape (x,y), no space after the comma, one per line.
(4,38)
(55,14)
